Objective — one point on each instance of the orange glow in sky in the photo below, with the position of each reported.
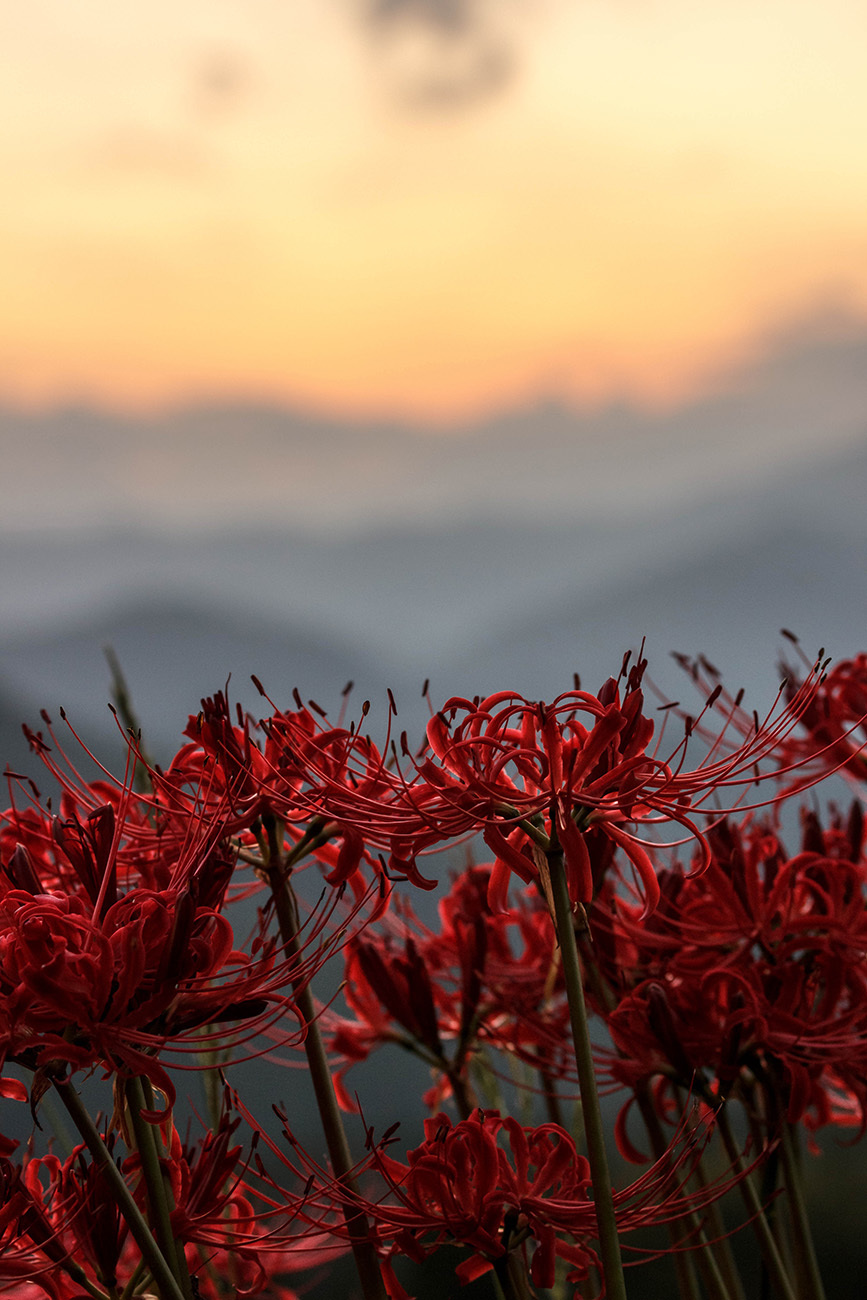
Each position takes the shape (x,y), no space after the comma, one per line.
(251,201)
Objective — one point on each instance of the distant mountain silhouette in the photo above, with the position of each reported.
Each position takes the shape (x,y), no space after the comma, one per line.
(512,552)
(236,468)
(171,655)
(729,605)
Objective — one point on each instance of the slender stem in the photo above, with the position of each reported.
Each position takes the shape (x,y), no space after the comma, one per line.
(157,1184)
(363,1250)
(138,1226)
(704,1258)
(497,1285)
(132,1285)
(511,1274)
(212,1085)
(465,1102)
(606,1222)
(770,1253)
(811,1278)
(721,1244)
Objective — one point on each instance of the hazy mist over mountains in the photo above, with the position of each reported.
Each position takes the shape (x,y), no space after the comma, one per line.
(206,541)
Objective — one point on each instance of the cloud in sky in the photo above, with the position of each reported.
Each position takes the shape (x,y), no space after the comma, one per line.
(228,200)
(222,80)
(444,54)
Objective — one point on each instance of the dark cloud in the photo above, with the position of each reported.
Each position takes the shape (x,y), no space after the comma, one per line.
(449,16)
(442,53)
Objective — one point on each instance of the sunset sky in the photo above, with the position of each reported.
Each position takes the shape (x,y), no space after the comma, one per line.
(293,200)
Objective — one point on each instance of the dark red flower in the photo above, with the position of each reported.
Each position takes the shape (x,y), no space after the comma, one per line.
(61,1230)
(836,719)
(482,979)
(752,977)
(499,1188)
(95,975)
(831,709)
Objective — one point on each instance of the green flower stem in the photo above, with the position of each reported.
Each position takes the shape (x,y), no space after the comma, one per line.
(286,907)
(703,1256)
(157,1182)
(499,1293)
(86,1285)
(212,1083)
(609,1241)
(767,1245)
(462,1093)
(132,1285)
(511,1273)
(813,1288)
(156,1262)
(717,1232)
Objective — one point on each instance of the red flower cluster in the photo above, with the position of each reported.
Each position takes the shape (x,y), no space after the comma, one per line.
(61,1230)
(533,778)
(461,1186)
(100,968)
(738,977)
(482,980)
(515,1197)
(748,979)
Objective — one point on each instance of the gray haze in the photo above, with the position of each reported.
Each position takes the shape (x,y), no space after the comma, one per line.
(512,554)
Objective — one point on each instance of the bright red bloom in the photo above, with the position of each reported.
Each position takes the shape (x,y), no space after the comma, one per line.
(499,1188)
(94,975)
(263,784)
(533,777)
(750,975)
(60,1228)
(143,839)
(483,979)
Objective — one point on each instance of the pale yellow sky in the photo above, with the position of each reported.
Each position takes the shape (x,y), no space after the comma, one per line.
(241,199)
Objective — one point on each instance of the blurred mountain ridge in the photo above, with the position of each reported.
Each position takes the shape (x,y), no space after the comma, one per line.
(799,396)
(728,602)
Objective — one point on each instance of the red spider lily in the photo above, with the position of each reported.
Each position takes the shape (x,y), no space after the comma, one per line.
(112,938)
(391,994)
(583,762)
(460,1186)
(100,825)
(275,778)
(235,781)
(234,1244)
(506,968)
(831,708)
(501,1191)
(30,1249)
(753,976)
(69,1234)
(100,976)
(836,718)
(483,979)
(154,834)
(533,777)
